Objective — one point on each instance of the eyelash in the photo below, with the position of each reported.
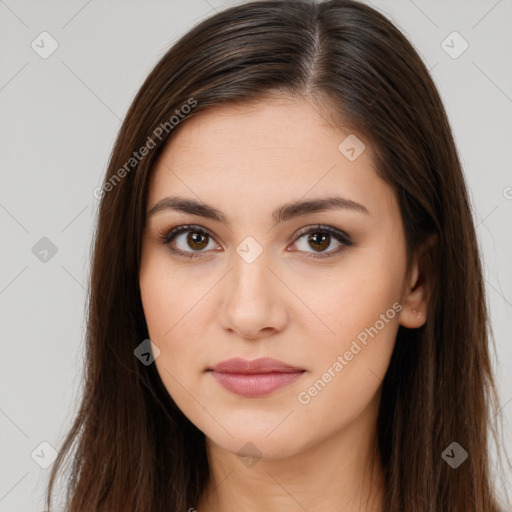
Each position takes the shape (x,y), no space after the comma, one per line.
(167,237)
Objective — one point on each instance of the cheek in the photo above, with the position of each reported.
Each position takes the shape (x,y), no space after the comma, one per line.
(353,332)
(172,307)
(167,297)
(349,298)
(348,367)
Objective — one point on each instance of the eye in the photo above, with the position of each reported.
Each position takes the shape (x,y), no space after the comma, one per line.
(188,237)
(189,241)
(320,238)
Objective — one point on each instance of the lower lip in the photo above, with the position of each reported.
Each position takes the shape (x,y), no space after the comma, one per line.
(255,384)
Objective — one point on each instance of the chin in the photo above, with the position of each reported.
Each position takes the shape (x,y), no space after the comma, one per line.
(255,444)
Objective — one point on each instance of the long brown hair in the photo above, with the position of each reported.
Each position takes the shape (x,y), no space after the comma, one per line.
(130,447)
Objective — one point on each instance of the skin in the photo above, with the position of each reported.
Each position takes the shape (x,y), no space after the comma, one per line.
(247,161)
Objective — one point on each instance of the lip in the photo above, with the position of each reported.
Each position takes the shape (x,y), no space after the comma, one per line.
(261,365)
(254,378)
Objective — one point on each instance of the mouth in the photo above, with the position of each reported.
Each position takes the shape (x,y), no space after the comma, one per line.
(255,378)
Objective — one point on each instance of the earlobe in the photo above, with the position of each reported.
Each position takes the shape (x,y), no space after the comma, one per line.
(412,318)
(416,294)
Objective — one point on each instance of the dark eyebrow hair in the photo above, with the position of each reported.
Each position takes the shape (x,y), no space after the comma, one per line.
(283,213)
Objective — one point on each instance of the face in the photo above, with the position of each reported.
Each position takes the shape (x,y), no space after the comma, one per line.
(321,289)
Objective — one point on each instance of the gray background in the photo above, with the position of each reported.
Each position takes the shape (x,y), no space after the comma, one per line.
(59,117)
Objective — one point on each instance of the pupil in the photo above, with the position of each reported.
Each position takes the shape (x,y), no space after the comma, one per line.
(319,240)
(196,240)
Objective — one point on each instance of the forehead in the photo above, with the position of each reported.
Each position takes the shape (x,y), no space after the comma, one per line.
(286,127)
(275,150)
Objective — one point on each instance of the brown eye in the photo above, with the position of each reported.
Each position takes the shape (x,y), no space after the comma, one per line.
(196,240)
(189,241)
(320,239)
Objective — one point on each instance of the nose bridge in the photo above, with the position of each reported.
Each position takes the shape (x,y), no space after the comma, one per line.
(250,274)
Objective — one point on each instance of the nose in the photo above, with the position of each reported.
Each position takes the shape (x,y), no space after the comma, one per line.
(254,300)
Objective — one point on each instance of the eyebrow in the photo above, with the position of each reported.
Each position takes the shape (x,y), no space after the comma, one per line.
(286,212)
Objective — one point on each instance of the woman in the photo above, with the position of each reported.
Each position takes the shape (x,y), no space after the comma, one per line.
(287,309)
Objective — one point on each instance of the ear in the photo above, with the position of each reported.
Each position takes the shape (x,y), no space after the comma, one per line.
(417,288)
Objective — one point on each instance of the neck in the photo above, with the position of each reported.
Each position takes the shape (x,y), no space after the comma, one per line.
(342,473)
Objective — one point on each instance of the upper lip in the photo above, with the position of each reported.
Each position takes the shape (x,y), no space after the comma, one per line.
(261,365)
